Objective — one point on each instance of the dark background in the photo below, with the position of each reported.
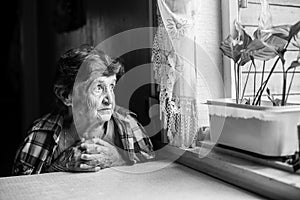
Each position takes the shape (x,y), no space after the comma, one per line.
(35,33)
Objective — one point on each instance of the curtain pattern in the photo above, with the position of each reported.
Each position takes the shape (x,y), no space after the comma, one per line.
(174,58)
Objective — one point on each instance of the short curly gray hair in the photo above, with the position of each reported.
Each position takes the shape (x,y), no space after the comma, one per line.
(69,64)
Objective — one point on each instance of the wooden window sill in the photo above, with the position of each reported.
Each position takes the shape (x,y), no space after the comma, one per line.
(256,176)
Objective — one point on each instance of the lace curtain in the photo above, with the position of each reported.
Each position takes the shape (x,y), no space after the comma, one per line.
(182,88)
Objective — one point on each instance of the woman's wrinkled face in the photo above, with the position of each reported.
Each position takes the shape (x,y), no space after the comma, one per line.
(100,99)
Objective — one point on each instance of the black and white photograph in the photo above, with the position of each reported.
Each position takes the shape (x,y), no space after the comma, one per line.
(150,99)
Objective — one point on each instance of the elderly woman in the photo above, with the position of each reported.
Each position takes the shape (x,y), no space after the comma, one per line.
(86,131)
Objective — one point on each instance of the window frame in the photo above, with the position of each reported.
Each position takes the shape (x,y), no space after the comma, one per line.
(230,12)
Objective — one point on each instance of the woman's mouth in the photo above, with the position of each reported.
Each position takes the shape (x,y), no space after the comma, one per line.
(104,110)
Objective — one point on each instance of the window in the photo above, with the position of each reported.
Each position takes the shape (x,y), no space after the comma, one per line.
(283,12)
(229,165)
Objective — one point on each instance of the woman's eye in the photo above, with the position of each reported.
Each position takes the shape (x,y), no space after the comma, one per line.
(99,88)
(112,86)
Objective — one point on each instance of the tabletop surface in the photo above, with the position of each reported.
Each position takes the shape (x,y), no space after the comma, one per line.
(150,180)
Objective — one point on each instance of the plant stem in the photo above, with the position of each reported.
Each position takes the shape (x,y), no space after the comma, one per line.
(262,76)
(283,89)
(258,92)
(263,73)
(284,74)
(292,78)
(245,85)
(238,77)
(254,81)
(262,87)
(236,84)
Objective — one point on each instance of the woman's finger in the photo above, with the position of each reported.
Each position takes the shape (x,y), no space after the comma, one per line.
(87,168)
(89,157)
(85,157)
(87,145)
(100,142)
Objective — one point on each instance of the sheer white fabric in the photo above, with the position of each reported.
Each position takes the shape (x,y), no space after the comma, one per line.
(174,57)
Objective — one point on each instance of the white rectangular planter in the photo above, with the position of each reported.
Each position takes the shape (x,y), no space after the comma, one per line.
(266,130)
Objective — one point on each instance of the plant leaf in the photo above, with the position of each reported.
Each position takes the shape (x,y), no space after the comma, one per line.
(243,38)
(260,50)
(234,46)
(275,102)
(294,30)
(268,91)
(293,65)
(282,31)
(228,49)
(270,96)
(265,50)
(296,41)
(261,34)
(245,57)
(245,101)
(276,42)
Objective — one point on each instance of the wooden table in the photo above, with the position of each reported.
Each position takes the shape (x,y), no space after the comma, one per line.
(151,180)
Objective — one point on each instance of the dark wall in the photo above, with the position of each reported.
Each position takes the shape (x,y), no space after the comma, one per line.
(37,33)
(10,84)
(100,21)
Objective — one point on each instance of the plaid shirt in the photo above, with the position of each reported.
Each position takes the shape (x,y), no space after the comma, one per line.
(40,146)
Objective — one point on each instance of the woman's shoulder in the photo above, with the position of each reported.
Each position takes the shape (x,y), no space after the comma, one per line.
(40,140)
(47,122)
(45,128)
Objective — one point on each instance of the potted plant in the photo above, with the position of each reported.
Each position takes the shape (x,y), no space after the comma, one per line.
(268,128)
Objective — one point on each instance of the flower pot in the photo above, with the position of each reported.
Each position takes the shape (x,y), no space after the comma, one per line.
(265,130)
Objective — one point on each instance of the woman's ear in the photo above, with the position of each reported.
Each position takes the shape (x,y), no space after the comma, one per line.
(66,99)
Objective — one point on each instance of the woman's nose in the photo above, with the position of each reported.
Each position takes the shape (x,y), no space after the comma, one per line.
(108,99)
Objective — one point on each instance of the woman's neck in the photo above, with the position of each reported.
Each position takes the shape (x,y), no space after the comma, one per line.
(95,130)
(72,132)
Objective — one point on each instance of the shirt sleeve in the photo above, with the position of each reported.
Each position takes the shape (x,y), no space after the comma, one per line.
(33,153)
